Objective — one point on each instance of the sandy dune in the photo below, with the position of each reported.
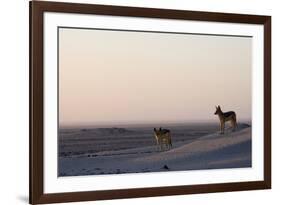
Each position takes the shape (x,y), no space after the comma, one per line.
(211,151)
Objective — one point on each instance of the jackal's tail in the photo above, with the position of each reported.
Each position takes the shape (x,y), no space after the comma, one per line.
(235,121)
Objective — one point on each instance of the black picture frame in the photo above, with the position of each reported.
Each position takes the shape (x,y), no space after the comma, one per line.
(37,8)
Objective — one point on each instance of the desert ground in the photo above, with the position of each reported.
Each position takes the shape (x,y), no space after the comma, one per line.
(132,149)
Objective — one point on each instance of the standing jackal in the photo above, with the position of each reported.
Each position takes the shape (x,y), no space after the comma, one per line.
(224,117)
(163,136)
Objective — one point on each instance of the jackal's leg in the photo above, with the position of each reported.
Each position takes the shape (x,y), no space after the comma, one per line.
(233,125)
(222,127)
(157,145)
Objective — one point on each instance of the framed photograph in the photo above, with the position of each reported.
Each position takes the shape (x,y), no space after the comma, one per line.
(132,102)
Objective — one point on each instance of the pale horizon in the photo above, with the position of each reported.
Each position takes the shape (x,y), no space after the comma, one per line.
(156,124)
(121,77)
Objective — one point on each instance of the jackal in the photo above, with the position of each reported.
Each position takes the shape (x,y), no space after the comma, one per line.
(224,117)
(163,136)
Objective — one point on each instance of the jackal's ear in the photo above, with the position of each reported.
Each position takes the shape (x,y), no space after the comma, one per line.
(219,107)
(216,107)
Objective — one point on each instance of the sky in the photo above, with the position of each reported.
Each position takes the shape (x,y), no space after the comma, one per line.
(115,77)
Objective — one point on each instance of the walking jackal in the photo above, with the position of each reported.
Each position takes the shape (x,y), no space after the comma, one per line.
(224,117)
(163,136)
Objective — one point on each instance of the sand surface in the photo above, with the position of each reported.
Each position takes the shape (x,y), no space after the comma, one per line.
(133,150)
